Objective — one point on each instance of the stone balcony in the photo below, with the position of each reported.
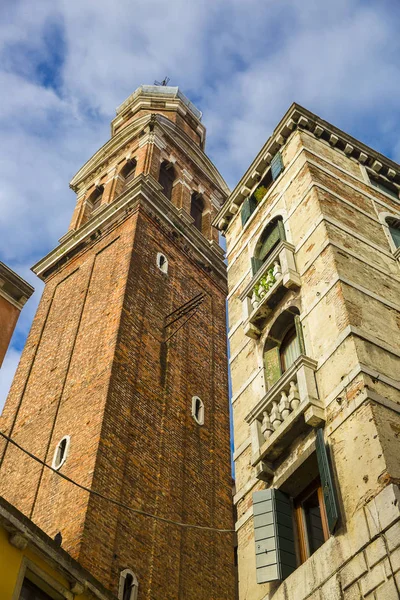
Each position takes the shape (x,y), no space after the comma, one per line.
(290,407)
(267,287)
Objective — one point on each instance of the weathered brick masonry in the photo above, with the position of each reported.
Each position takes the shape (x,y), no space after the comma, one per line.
(94,367)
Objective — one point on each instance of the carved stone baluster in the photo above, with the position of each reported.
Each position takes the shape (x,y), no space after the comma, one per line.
(284,406)
(294,397)
(275,416)
(266,426)
(277,271)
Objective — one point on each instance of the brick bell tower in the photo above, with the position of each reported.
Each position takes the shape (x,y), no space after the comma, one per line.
(122,385)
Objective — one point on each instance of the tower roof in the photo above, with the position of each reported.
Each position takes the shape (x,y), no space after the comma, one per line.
(161,91)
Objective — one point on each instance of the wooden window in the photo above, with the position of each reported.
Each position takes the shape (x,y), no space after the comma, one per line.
(311,521)
(196,210)
(166,178)
(30,591)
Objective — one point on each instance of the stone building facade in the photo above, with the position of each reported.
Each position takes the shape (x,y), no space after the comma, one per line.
(14,292)
(313,236)
(122,385)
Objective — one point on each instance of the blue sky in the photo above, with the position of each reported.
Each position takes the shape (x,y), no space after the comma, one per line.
(66,65)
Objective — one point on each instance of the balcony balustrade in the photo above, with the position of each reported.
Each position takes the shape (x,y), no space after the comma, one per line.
(268,286)
(289,407)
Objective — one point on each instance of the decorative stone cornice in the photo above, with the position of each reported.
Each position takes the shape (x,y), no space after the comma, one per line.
(13,288)
(298,117)
(144,189)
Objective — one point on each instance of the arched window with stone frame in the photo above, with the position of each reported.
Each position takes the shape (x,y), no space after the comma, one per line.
(196,210)
(166,178)
(283,345)
(128,585)
(272,234)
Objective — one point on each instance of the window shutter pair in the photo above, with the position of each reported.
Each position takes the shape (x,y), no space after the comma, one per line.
(248,207)
(273,523)
(276,166)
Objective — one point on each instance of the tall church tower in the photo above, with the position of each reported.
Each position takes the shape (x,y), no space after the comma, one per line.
(122,385)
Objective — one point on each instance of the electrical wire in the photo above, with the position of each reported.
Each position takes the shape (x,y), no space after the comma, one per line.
(116,502)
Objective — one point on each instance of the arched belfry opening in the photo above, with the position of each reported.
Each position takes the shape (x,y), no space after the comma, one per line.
(196,209)
(166,178)
(128,173)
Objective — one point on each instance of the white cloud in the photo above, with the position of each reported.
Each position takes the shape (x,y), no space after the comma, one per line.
(67,64)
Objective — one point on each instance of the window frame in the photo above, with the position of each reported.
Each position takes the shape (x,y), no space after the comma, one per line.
(55,464)
(121,586)
(198,415)
(162,267)
(300,522)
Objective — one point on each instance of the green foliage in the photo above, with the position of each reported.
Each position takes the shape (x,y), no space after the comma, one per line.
(265,283)
(260,193)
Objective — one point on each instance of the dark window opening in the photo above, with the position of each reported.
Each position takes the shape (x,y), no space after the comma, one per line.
(128,172)
(128,585)
(196,210)
(60,454)
(30,591)
(311,521)
(197,409)
(166,178)
(95,198)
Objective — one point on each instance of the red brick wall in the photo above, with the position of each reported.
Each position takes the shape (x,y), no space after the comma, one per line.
(91,369)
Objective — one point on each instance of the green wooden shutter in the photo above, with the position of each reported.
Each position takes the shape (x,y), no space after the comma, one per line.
(272,365)
(256,264)
(299,334)
(248,207)
(273,534)
(326,481)
(245,211)
(276,166)
(395,233)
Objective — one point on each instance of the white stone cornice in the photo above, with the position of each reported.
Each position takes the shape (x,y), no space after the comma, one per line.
(303,118)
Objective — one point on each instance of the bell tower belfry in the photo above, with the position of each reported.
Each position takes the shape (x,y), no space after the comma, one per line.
(122,384)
